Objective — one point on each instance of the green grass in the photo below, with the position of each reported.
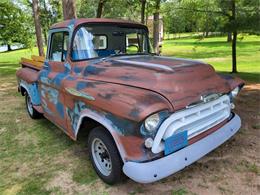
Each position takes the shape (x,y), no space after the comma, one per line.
(9,61)
(180,191)
(217,52)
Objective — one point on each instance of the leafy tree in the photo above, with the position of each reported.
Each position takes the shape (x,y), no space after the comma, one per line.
(15,25)
(240,16)
(50,13)
(86,8)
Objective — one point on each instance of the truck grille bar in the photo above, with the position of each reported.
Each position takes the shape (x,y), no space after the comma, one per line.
(195,120)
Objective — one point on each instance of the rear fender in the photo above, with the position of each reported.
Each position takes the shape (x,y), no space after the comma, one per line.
(32,90)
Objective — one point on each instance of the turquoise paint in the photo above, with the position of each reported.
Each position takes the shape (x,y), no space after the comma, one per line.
(33,91)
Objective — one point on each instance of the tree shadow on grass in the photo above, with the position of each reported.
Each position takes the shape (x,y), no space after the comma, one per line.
(7,68)
(211,44)
(247,76)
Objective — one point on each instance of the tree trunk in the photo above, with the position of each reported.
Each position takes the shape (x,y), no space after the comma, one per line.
(37,24)
(9,47)
(229,37)
(100,8)
(234,40)
(45,34)
(69,9)
(156,27)
(234,53)
(143,2)
(46,26)
(207,34)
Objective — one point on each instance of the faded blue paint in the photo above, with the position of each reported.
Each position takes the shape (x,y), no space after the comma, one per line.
(33,91)
(77,69)
(58,79)
(70,78)
(67,67)
(71,24)
(43,75)
(121,125)
(60,109)
(81,85)
(45,107)
(93,70)
(75,114)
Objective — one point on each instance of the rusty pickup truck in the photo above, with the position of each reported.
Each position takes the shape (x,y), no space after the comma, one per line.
(146,116)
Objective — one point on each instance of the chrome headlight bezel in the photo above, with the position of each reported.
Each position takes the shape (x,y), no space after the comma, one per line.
(152,123)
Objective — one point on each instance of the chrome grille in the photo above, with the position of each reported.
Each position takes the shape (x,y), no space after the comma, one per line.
(195,120)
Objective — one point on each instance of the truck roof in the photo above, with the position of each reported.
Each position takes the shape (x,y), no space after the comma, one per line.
(79,21)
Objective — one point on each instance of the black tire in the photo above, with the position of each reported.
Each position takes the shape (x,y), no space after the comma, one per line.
(116,174)
(34,114)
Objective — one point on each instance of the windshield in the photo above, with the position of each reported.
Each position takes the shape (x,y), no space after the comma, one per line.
(105,40)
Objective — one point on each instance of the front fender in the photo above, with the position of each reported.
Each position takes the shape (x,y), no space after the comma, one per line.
(233,82)
(121,109)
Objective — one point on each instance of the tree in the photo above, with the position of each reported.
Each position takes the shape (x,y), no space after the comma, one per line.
(244,17)
(156,26)
(100,8)
(50,13)
(234,38)
(69,9)
(86,8)
(143,4)
(38,30)
(15,25)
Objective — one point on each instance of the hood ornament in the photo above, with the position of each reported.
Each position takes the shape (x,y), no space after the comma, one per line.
(209,97)
(205,99)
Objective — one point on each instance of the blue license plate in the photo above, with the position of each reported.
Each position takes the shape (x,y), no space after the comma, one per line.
(176,142)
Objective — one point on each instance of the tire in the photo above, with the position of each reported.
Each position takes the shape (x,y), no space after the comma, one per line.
(34,114)
(102,151)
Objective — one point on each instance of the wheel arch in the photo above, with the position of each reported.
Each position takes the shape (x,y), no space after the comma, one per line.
(23,89)
(98,120)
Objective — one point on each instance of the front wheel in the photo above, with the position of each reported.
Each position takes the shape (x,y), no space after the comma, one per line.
(34,114)
(104,156)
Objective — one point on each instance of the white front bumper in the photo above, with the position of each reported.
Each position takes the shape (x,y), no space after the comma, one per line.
(155,170)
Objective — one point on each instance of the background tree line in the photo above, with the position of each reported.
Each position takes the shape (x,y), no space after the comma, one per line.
(20,20)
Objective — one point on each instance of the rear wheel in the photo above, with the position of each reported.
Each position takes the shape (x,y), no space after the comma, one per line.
(34,114)
(104,156)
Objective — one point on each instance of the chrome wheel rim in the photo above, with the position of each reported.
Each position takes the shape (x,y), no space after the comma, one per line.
(101,156)
(29,105)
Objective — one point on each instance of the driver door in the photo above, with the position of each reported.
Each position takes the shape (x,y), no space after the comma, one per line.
(54,72)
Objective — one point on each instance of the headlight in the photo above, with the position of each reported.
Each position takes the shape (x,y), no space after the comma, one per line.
(234,92)
(152,122)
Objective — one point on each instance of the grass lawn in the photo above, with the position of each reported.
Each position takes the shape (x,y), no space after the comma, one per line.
(38,158)
(217,52)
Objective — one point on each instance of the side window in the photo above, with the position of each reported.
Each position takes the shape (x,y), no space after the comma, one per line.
(59,46)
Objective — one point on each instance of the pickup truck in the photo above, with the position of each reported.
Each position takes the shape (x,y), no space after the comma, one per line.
(146,116)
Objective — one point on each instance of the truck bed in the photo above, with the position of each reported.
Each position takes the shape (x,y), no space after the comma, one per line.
(36,62)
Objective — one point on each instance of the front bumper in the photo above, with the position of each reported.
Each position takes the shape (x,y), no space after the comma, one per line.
(155,170)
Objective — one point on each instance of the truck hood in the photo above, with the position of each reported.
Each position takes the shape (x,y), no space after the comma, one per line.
(182,82)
